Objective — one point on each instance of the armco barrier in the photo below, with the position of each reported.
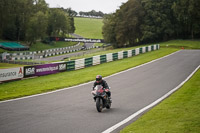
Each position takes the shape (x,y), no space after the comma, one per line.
(120,55)
(109,57)
(133,52)
(103,59)
(70,65)
(40,70)
(11,74)
(88,62)
(79,64)
(96,60)
(115,56)
(137,51)
(43,54)
(130,53)
(125,54)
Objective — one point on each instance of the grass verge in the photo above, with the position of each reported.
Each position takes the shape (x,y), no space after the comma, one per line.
(91,25)
(42,46)
(177,114)
(6,65)
(66,79)
(186,44)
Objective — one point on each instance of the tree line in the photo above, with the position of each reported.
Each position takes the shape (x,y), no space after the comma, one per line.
(92,13)
(31,20)
(144,21)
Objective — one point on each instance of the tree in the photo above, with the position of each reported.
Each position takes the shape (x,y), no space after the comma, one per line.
(14,15)
(29,19)
(37,27)
(40,5)
(141,21)
(124,27)
(3,13)
(187,13)
(158,20)
(70,12)
(108,29)
(129,20)
(58,23)
(92,13)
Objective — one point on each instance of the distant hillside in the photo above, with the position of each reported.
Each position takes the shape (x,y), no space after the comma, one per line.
(89,27)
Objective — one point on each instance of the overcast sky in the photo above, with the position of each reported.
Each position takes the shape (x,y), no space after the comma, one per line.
(106,6)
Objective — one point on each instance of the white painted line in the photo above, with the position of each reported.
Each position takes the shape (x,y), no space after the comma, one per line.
(109,130)
(88,82)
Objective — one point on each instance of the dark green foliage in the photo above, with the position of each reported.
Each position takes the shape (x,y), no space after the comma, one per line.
(158,20)
(129,19)
(59,23)
(31,20)
(14,15)
(144,21)
(109,29)
(92,13)
(123,27)
(187,13)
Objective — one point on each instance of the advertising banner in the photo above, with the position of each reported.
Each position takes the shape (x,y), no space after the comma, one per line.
(29,71)
(62,66)
(45,69)
(85,40)
(11,74)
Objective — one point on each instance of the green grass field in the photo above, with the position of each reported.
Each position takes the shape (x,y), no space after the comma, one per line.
(41,46)
(6,65)
(186,44)
(177,114)
(2,50)
(89,27)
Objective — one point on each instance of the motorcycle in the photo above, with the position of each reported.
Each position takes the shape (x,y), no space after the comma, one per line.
(101,98)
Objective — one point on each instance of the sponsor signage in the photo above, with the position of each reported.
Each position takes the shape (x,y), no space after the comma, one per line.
(45,69)
(11,74)
(62,66)
(85,40)
(29,71)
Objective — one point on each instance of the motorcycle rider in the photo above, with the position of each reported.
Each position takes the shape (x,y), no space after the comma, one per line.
(100,81)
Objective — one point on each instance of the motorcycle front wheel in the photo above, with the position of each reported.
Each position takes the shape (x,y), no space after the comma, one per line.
(99,104)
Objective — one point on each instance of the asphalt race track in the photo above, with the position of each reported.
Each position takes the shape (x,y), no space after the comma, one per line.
(73,110)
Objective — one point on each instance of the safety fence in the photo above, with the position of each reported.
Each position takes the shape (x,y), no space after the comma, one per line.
(45,69)
(41,54)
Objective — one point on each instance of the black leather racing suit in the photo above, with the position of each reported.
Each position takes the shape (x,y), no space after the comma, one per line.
(105,86)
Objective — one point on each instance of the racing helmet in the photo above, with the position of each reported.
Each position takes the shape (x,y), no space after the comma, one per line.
(98,78)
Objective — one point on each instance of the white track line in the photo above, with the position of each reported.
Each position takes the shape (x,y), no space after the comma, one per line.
(109,130)
(88,82)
